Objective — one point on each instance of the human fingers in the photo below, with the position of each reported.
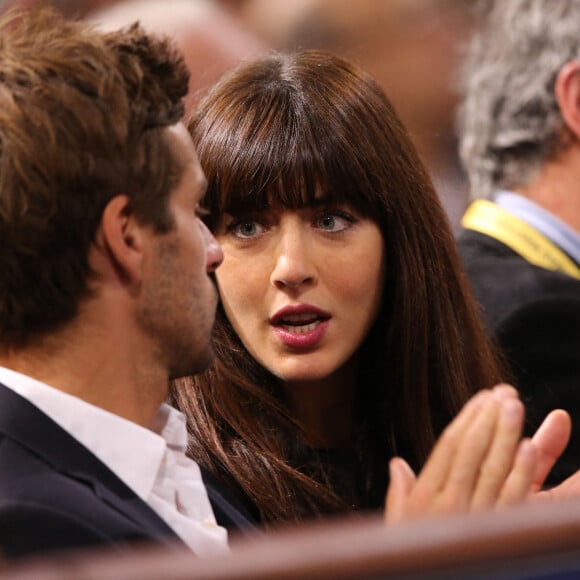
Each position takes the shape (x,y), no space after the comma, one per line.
(504,392)
(435,472)
(550,440)
(401,482)
(471,452)
(518,483)
(500,458)
(399,505)
(568,489)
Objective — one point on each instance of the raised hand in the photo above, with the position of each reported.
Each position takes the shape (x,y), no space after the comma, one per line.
(550,441)
(479,462)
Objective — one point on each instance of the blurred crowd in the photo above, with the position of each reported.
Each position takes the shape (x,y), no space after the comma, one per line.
(411,47)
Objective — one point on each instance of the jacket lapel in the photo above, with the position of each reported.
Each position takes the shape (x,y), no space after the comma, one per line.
(25,423)
(228,510)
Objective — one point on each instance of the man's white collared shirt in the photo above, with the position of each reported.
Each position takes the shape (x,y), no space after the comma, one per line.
(151,462)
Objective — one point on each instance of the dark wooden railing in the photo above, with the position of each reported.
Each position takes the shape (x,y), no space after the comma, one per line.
(534,541)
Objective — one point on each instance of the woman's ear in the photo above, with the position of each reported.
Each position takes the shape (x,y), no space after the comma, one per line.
(567,91)
(121,237)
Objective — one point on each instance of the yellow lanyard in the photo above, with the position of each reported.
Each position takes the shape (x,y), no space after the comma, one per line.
(488,218)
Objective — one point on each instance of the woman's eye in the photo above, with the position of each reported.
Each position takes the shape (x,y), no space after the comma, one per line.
(245,228)
(334,221)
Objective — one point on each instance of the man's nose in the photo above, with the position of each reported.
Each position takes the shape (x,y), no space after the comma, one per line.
(214,252)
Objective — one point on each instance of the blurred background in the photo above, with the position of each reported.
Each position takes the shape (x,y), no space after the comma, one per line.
(411,47)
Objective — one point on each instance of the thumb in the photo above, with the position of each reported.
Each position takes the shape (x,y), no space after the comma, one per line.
(402,481)
(550,440)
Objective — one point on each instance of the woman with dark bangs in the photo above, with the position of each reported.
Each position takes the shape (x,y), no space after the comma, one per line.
(346,335)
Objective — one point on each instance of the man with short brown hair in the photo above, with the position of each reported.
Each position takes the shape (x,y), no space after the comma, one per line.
(105,292)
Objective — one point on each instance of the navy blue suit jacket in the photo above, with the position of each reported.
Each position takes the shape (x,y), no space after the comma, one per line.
(534,314)
(55,494)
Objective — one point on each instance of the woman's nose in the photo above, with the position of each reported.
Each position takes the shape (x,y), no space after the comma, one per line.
(294,265)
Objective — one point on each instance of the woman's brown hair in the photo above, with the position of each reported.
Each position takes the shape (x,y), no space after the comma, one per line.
(284,128)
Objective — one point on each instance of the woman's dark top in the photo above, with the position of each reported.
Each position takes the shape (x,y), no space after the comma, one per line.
(362,489)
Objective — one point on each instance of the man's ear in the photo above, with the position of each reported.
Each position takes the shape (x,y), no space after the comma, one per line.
(122,238)
(567,90)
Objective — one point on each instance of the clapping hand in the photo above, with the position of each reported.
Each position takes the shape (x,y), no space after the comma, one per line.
(481,463)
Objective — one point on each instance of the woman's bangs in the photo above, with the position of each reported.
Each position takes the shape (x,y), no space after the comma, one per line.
(257,173)
(291,179)
(269,149)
